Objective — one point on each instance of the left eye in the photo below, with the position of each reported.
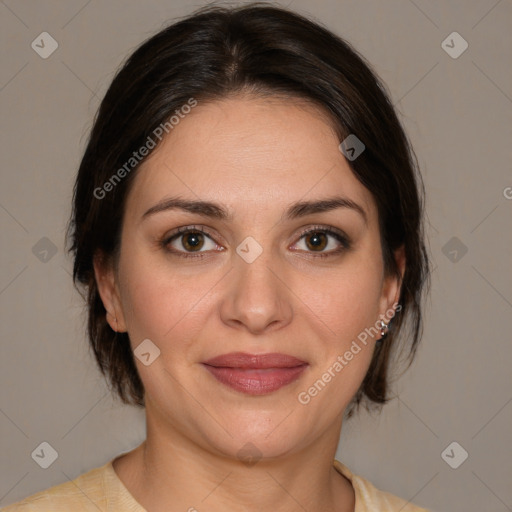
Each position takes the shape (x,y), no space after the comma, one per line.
(317,240)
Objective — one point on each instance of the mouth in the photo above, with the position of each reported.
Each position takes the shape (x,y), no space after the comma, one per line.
(255,374)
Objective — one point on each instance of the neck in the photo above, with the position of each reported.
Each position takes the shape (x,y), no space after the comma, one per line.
(169,471)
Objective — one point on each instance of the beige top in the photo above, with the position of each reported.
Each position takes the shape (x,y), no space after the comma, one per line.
(100,489)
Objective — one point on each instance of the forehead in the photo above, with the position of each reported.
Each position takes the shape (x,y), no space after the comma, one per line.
(247,153)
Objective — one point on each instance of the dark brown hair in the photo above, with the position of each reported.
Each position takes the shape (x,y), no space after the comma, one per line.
(261,49)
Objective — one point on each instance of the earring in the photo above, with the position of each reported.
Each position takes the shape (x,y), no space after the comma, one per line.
(384,329)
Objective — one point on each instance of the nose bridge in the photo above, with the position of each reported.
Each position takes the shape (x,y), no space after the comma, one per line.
(257,298)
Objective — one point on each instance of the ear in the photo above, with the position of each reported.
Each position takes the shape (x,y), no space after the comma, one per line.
(392,285)
(109,291)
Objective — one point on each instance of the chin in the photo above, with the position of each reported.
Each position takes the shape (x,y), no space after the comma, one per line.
(258,434)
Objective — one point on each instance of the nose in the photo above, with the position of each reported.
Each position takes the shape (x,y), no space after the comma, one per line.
(257,297)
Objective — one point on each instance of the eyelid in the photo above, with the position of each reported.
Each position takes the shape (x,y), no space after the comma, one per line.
(186,229)
(326,229)
(168,237)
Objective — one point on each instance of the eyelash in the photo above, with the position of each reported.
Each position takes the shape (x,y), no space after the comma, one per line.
(338,235)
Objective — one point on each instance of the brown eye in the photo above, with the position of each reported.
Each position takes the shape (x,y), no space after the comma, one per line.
(323,242)
(192,241)
(189,242)
(316,240)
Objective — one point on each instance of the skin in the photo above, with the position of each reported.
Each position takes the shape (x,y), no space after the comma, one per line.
(254,157)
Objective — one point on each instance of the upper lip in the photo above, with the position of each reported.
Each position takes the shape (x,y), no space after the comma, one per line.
(244,360)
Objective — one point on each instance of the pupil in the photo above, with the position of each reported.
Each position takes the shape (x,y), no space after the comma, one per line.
(316,240)
(192,240)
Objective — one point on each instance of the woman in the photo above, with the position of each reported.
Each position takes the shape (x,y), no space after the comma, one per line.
(247,224)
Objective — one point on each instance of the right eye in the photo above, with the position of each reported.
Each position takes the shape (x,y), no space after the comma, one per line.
(186,241)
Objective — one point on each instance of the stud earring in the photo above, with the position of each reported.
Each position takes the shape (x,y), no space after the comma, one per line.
(384,329)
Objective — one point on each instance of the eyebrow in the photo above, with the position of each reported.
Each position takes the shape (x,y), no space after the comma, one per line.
(216,211)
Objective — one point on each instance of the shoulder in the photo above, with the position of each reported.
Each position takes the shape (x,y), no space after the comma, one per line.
(84,493)
(371,499)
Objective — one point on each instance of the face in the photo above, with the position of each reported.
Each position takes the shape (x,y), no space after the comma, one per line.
(262,278)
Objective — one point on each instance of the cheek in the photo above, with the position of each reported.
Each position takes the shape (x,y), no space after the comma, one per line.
(346,308)
(345,299)
(161,304)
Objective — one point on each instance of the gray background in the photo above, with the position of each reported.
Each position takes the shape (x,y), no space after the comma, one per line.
(458,115)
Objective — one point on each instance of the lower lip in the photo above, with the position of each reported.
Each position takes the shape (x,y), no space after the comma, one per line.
(256,381)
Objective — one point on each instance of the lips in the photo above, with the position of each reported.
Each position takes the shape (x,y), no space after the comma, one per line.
(255,374)
(258,361)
